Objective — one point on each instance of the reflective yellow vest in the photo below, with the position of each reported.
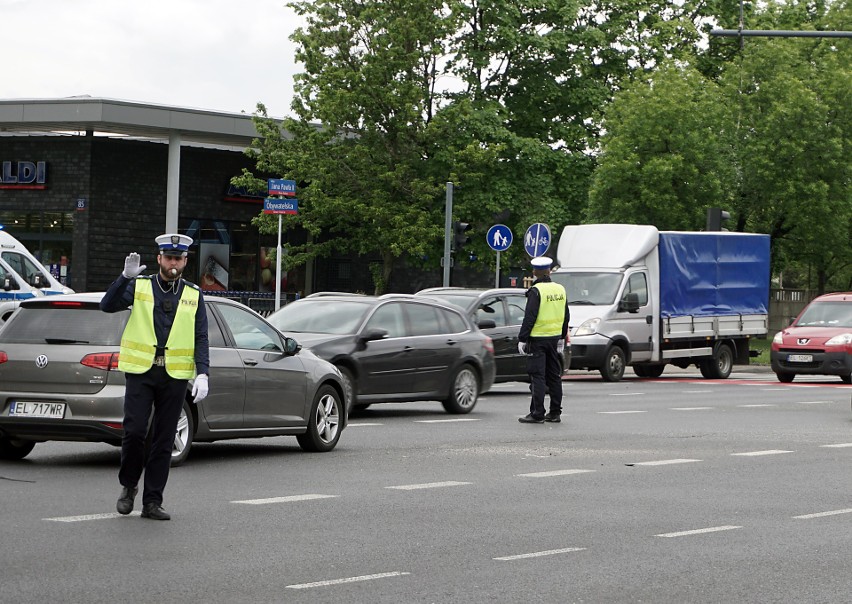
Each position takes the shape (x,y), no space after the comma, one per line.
(551,311)
(139,342)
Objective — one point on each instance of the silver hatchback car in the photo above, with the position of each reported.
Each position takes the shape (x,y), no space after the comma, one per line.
(59,380)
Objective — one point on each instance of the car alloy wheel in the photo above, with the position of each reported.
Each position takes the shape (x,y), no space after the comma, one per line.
(464,391)
(183,436)
(323,430)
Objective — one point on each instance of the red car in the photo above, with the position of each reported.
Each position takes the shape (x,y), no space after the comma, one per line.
(817,342)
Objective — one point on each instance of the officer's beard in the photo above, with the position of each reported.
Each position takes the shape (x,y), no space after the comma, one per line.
(170,274)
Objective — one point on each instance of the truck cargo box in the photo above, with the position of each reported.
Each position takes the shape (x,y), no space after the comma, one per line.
(713,274)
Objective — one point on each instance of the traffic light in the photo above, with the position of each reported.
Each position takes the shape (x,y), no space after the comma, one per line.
(460,236)
(716,217)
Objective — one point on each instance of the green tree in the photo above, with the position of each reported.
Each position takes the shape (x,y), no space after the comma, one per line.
(666,156)
(501,97)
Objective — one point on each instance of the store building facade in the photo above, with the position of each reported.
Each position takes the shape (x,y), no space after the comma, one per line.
(85,181)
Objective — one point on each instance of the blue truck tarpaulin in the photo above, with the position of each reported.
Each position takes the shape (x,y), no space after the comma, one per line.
(712,274)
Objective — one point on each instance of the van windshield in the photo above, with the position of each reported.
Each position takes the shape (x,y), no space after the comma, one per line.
(598,289)
(826,314)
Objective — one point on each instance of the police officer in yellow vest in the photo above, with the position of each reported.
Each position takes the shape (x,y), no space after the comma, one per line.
(163,347)
(542,339)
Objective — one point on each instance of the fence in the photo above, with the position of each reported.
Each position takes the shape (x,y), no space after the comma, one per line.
(262,303)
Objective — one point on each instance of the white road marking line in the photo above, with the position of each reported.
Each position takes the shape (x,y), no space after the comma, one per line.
(347,580)
(813,402)
(712,529)
(627,394)
(89,517)
(757,453)
(428,485)
(837,446)
(620,412)
(823,514)
(444,421)
(759,405)
(287,499)
(549,552)
(664,462)
(696,391)
(774,389)
(689,408)
(553,473)
(350,424)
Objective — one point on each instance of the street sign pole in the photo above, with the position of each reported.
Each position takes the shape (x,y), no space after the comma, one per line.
(497,276)
(278,268)
(448,224)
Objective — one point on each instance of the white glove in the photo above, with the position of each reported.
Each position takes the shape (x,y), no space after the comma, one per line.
(560,345)
(199,388)
(522,347)
(131,266)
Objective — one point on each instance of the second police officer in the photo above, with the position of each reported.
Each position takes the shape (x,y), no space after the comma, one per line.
(542,339)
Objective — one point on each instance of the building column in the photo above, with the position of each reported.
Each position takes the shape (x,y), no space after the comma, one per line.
(173,183)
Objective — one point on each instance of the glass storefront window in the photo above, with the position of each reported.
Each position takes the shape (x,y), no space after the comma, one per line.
(47,235)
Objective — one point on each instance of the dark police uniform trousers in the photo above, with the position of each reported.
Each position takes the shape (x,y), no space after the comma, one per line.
(545,371)
(139,400)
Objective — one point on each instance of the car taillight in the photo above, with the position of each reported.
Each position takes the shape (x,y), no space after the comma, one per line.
(65,303)
(4,358)
(489,344)
(101,360)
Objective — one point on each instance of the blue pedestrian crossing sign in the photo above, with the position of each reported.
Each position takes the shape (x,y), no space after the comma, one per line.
(537,239)
(499,238)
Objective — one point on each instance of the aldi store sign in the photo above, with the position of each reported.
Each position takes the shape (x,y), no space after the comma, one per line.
(23,175)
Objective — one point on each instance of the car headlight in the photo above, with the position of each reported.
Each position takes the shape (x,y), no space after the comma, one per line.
(588,327)
(778,339)
(843,339)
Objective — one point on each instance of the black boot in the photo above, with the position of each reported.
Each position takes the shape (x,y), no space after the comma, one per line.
(155,511)
(124,505)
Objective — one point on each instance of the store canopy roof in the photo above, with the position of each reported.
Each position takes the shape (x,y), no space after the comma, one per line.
(86,114)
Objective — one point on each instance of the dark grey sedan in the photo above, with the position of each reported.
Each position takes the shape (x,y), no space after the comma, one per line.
(395,347)
(59,380)
(499,312)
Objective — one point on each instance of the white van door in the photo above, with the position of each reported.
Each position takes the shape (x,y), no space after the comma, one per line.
(632,316)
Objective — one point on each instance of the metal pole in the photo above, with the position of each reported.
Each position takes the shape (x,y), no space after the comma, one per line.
(278,268)
(448,225)
(497,276)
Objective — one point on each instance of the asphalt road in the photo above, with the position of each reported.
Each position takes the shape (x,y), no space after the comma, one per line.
(670,490)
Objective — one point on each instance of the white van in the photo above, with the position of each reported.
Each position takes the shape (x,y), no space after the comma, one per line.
(22,276)
(18,257)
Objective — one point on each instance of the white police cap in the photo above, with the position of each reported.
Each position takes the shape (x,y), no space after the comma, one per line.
(541,262)
(174,244)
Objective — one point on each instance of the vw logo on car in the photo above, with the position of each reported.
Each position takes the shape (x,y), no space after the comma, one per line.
(41,361)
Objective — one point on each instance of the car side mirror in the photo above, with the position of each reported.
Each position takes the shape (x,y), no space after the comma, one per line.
(629,303)
(9,284)
(487,324)
(374,334)
(36,281)
(291,346)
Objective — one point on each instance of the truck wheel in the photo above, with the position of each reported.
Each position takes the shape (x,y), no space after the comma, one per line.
(613,367)
(720,366)
(648,371)
(785,378)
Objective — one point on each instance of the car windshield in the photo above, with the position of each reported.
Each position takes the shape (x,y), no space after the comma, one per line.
(826,314)
(46,322)
(321,315)
(589,288)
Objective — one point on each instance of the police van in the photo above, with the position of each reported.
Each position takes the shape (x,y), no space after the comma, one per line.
(22,276)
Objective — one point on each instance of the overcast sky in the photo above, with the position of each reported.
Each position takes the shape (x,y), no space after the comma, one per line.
(224,55)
